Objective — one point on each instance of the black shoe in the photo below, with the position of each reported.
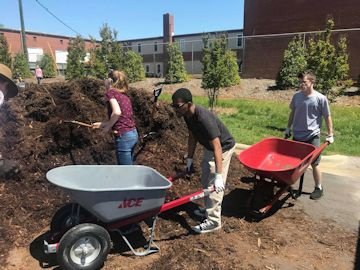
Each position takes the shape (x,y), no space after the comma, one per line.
(316,194)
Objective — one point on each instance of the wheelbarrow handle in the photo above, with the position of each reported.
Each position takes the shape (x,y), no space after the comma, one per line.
(318,151)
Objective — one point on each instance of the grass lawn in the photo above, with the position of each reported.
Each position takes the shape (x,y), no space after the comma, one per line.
(252,120)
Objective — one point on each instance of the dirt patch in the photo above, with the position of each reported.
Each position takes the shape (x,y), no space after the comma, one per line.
(35,135)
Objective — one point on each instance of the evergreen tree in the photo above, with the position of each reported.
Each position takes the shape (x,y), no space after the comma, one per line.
(21,66)
(133,66)
(176,71)
(220,68)
(5,57)
(294,62)
(48,66)
(75,60)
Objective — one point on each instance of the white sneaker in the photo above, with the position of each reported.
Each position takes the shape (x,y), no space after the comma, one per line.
(206,226)
(201,212)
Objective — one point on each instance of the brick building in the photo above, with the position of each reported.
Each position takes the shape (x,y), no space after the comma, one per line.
(269,26)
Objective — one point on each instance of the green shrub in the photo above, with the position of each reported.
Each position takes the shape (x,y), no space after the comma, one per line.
(21,66)
(175,72)
(48,66)
(75,60)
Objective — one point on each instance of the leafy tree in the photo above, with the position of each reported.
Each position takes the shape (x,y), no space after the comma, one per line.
(293,63)
(48,66)
(133,66)
(5,57)
(117,56)
(75,60)
(21,66)
(220,68)
(329,63)
(176,71)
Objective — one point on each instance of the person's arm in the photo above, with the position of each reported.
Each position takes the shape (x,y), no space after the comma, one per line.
(115,114)
(216,145)
(291,119)
(329,125)
(192,142)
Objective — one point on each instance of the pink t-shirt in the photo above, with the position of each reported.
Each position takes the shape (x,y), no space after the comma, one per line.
(126,120)
(38,72)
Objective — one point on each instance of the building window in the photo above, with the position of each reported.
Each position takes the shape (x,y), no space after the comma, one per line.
(240,40)
(139,48)
(34,38)
(182,45)
(155,46)
(147,68)
(61,41)
(158,68)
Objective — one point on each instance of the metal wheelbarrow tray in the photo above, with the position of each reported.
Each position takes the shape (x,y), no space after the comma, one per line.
(107,199)
(280,161)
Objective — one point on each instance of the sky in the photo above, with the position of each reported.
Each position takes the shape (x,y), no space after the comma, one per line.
(130,18)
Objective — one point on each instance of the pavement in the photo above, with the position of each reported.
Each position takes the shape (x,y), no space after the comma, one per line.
(341,183)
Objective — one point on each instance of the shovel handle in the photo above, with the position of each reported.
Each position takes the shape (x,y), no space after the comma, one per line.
(78,123)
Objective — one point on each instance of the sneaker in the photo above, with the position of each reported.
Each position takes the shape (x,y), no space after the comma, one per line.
(201,212)
(206,226)
(316,194)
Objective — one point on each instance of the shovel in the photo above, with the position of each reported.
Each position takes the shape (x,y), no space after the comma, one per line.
(78,123)
(156,93)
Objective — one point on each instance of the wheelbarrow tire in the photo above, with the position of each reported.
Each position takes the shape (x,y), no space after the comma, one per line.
(64,219)
(84,247)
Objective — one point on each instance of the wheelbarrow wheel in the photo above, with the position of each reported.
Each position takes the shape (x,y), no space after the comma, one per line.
(66,217)
(84,247)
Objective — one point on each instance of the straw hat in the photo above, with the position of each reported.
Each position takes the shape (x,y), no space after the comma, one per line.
(6,75)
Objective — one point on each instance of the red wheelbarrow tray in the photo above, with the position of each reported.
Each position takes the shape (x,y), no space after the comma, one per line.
(279,159)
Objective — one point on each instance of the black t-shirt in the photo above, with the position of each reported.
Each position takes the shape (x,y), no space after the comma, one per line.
(206,126)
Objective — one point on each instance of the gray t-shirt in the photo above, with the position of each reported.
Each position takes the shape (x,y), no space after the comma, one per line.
(206,126)
(308,114)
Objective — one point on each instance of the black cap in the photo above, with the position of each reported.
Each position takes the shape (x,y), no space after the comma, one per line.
(184,94)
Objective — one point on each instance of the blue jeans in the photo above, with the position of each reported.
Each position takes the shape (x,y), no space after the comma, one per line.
(125,146)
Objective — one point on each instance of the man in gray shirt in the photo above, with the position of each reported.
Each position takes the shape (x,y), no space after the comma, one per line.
(308,107)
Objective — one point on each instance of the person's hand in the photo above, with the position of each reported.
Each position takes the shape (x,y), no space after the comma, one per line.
(330,139)
(189,166)
(219,183)
(96,125)
(287,133)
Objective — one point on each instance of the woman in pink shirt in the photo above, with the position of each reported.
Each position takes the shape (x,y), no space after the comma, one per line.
(38,74)
(121,117)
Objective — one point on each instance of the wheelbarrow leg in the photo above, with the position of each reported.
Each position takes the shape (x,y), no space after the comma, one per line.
(278,194)
(150,247)
(296,194)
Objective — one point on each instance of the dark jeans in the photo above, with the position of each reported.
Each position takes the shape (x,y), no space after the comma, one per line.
(125,146)
(315,141)
(38,79)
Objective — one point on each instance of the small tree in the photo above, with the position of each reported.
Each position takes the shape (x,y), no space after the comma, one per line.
(5,57)
(21,66)
(176,71)
(329,63)
(75,59)
(47,64)
(133,66)
(293,63)
(219,68)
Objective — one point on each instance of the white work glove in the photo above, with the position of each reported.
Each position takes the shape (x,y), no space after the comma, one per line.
(189,166)
(330,139)
(287,133)
(219,183)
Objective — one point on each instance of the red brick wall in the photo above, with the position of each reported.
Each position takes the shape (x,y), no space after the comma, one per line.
(33,40)
(263,55)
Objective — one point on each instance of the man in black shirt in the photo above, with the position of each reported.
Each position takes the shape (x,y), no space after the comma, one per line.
(206,128)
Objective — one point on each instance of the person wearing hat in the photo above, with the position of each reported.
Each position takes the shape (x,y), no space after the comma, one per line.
(206,129)
(8,89)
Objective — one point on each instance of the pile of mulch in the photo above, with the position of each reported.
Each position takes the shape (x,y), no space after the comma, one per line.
(36,135)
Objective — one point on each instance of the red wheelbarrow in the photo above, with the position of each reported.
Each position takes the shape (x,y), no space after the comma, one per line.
(279,163)
(107,199)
